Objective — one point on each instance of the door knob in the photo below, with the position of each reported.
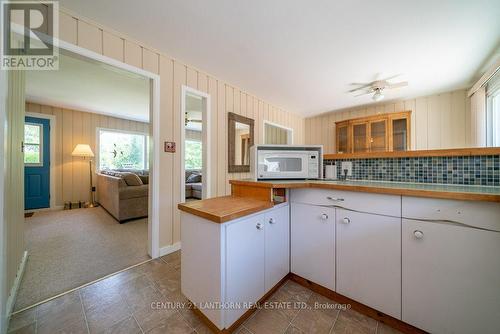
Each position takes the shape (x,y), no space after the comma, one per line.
(346,220)
(271,221)
(418,234)
(259,226)
(324,216)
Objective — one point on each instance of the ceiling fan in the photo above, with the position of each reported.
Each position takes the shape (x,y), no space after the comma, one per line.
(377,87)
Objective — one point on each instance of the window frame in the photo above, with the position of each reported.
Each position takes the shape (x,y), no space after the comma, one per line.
(40,145)
(287,129)
(492,92)
(98,145)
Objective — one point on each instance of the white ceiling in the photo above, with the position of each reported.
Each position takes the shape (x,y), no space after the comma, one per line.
(86,85)
(302,55)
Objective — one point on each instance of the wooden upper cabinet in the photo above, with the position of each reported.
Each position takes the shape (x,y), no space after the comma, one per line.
(378,133)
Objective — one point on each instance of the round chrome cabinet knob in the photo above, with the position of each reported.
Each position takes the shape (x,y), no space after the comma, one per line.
(418,234)
(259,226)
(346,220)
(324,216)
(271,221)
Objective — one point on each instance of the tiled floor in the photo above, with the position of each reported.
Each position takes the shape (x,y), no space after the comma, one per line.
(123,304)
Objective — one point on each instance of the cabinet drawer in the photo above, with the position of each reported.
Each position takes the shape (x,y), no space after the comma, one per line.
(476,214)
(366,202)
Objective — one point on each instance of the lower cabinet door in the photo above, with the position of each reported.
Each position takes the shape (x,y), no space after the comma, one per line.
(369,260)
(451,278)
(245,281)
(277,245)
(313,243)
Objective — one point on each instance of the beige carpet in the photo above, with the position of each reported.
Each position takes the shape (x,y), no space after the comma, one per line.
(69,248)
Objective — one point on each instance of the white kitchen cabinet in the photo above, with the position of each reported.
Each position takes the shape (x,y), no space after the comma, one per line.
(450,277)
(233,264)
(245,256)
(277,250)
(369,259)
(313,243)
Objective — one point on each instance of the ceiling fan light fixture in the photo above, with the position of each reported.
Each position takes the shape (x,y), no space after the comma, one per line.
(377,96)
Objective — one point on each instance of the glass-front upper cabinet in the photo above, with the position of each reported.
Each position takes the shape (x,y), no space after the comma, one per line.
(360,140)
(400,133)
(377,133)
(343,137)
(378,136)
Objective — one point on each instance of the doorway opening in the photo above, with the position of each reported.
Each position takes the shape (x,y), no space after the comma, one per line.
(91,157)
(195,150)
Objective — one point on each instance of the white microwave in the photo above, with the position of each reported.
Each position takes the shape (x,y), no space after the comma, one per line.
(270,162)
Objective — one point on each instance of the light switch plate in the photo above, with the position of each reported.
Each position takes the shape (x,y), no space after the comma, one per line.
(346,165)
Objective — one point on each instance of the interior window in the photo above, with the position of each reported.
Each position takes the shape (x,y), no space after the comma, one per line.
(122,150)
(277,135)
(193,154)
(32,144)
(493,111)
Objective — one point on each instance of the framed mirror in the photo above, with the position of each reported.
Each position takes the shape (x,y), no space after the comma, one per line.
(240,139)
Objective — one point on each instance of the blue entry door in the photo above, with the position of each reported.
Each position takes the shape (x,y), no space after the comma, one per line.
(36,163)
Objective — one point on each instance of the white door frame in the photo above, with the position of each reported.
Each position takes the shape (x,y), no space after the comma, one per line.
(205,116)
(52,187)
(154,159)
(289,130)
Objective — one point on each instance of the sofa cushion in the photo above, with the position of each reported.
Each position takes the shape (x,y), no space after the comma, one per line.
(131,179)
(196,186)
(193,178)
(134,191)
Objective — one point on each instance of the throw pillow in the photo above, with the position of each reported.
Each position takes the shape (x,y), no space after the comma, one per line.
(194,178)
(131,179)
(144,179)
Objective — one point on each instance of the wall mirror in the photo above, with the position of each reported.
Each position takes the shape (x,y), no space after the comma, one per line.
(240,139)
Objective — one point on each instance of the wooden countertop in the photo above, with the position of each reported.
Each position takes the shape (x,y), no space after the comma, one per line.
(223,209)
(457,192)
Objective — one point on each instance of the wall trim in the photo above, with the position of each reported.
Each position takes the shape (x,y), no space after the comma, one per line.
(11,300)
(170,248)
(52,125)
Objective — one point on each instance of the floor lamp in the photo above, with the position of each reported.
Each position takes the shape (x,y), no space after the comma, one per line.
(84,151)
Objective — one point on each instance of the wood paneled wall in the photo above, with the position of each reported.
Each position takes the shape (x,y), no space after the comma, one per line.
(76,127)
(173,74)
(437,121)
(14,178)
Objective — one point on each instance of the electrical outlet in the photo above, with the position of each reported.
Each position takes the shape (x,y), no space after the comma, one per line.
(346,165)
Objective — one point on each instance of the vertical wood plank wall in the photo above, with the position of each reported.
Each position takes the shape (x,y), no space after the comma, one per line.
(76,127)
(14,177)
(437,121)
(173,74)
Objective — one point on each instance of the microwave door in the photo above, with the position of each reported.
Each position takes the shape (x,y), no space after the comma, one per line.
(284,166)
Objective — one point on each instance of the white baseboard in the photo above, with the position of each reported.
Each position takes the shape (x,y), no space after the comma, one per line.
(170,248)
(11,300)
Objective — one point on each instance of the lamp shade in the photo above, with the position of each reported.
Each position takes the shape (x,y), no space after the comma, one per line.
(82,150)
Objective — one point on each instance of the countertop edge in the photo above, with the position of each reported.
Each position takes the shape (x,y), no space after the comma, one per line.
(457,195)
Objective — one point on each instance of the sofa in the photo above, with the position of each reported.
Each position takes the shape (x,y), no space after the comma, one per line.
(193,184)
(124,194)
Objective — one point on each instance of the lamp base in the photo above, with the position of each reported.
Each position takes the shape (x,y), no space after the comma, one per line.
(93,205)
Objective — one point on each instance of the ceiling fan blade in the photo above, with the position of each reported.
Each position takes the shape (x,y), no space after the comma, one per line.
(397,85)
(365,93)
(391,77)
(361,87)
